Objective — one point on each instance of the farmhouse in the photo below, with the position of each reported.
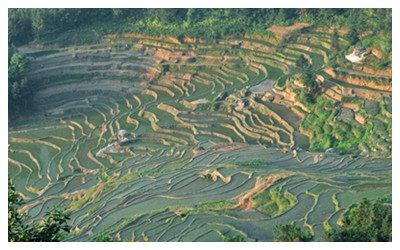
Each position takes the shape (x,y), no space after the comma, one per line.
(358,54)
(122,134)
(359,50)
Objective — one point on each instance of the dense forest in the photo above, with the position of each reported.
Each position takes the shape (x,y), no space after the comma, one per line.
(26,25)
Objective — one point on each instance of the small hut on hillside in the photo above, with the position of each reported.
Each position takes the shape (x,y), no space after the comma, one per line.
(358,54)
(359,50)
(122,134)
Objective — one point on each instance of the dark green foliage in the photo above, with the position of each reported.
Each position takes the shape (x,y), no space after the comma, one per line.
(335,40)
(20,92)
(302,62)
(365,222)
(312,89)
(290,232)
(206,106)
(103,238)
(352,36)
(50,228)
(17,65)
(16,227)
(286,16)
(168,16)
(19,26)
(208,24)
(235,238)
(332,59)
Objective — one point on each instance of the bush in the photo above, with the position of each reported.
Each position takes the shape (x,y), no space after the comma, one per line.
(290,232)
(235,238)
(364,222)
(352,36)
(50,228)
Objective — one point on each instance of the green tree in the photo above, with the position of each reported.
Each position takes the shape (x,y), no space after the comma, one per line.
(286,15)
(17,230)
(364,222)
(235,238)
(332,59)
(18,64)
(19,26)
(20,92)
(335,40)
(302,62)
(290,232)
(50,228)
(352,36)
(103,238)
(311,86)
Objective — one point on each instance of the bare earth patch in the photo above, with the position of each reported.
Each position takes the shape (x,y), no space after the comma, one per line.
(283,31)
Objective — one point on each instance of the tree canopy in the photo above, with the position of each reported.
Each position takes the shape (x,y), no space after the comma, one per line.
(290,232)
(20,92)
(20,228)
(366,221)
(24,25)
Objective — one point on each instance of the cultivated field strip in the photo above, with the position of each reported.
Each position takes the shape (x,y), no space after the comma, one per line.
(157,140)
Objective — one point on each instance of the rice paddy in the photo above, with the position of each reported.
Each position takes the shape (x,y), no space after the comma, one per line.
(202,157)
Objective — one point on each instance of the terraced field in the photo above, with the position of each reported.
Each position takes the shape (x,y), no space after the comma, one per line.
(156,139)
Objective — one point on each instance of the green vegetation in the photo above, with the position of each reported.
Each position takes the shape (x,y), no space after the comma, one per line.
(20,91)
(215,205)
(46,24)
(328,132)
(311,89)
(273,203)
(206,106)
(365,221)
(52,227)
(302,62)
(104,121)
(216,208)
(335,44)
(235,238)
(290,232)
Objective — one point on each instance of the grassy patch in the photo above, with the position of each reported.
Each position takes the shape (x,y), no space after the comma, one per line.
(215,205)
(273,202)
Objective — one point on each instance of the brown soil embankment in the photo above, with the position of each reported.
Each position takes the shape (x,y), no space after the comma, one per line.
(358,81)
(386,73)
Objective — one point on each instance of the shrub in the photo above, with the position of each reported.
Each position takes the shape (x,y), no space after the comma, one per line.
(50,228)
(290,232)
(365,221)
